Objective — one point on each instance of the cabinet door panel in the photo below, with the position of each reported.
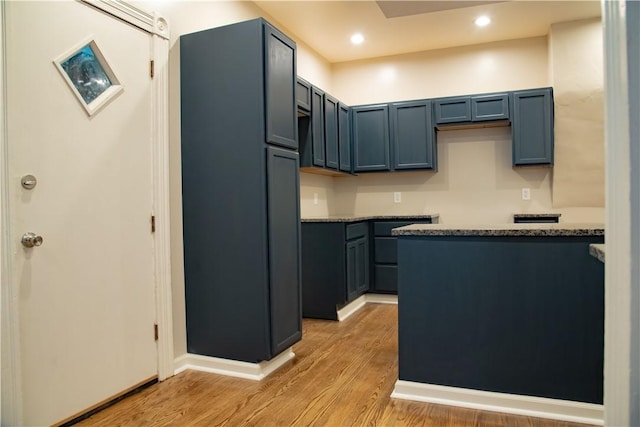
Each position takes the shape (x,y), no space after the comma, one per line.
(370,129)
(385,250)
(362,262)
(317,127)
(386,278)
(532,127)
(344,137)
(331,132)
(490,107)
(303,94)
(413,135)
(452,110)
(283,185)
(280,87)
(352,270)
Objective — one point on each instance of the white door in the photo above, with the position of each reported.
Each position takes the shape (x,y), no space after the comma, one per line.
(86,295)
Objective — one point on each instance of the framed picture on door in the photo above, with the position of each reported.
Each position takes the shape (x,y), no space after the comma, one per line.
(89,75)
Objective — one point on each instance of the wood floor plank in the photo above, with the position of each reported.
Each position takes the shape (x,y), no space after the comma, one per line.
(342,375)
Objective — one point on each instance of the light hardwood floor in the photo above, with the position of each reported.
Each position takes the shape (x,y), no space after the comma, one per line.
(342,375)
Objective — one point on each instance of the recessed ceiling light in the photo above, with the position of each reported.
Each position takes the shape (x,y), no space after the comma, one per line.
(483,21)
(357,38)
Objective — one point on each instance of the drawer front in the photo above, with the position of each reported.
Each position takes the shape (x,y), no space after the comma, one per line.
(357,230)
(383,228)
(385,250)
(386,278)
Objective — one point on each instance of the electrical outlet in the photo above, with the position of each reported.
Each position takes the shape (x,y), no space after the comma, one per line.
(397,197)
(526,194)
(315,198)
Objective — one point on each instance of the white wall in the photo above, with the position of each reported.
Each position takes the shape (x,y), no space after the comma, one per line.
(576,69)
(500,66)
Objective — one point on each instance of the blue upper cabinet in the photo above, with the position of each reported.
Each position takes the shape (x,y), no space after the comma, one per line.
(532,127)
(317,127)
(452,110)
(473,108)
(370,130)
(344,137)
(303,95)
(280,88)
(331,132)
(413,135)
(490,107)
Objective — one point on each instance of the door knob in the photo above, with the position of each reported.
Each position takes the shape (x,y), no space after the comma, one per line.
(30,240)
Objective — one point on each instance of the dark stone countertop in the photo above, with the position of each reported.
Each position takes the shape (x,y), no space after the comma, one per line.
(553,229)
(354,218)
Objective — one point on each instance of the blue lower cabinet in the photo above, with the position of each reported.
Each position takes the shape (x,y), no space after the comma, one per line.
(370,136)
(413,137)
(384,254)
(506,314)
(335,266)
(532,127)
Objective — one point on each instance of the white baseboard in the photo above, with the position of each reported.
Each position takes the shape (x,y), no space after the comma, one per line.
(352,307)
(232,368)
(382,298)
(362,300)
(564,410)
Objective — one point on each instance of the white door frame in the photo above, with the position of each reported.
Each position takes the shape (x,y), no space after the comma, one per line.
(10,375)
(622,221)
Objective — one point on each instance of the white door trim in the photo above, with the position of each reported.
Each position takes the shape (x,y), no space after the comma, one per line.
(619,220)
(162,244)
(10,374)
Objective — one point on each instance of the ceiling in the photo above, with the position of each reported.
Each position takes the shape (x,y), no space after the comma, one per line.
(395,27)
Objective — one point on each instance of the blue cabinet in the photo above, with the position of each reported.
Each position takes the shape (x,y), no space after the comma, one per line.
(324,134)
(532,127)
(242,286)
(344,137)
(335,266)
(370,130)
(472,108)
(452,110)
(357,251)
(384,254)
(490,107)
(413,136)
(317,127)
(303,95)
(283,216)
(280,88)
(331,132)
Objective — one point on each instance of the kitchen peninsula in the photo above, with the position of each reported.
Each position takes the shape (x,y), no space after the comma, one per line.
(514,309)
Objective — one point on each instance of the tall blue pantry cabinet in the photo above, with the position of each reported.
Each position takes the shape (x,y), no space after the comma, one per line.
(240,191)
